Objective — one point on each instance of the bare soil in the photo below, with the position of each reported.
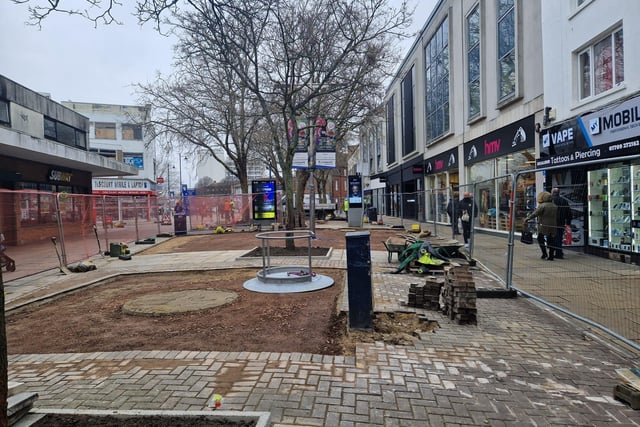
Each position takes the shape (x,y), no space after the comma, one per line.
(325,238)
(92,319)
(55,420)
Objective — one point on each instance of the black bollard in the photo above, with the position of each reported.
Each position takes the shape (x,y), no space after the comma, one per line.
(359,280)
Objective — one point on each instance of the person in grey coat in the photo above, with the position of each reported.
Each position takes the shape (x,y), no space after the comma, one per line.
(546,212)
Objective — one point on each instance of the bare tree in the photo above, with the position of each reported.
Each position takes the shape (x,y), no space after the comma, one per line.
(314,58)
(206,109)
(291,58)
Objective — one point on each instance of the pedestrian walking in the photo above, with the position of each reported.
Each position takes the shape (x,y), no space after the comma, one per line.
(467,211)
(546,212)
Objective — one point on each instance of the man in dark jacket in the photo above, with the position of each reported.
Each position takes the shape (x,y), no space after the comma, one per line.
(467,211)
(452,211)
(563,218)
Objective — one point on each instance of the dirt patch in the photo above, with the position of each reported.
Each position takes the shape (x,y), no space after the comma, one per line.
(244,240)
(392,328)
(92,319)
(281,251)
(56,420)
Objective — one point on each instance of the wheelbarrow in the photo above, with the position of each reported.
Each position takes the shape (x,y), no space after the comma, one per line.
(450,248)
(397,244)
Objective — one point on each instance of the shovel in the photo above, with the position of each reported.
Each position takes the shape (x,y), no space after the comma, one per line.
(63,268)
(95,231)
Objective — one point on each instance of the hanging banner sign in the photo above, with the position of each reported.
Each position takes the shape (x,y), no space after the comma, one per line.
(301,155)
(325,138)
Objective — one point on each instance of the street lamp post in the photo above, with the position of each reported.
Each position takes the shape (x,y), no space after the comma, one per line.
(180,160)
(312,168)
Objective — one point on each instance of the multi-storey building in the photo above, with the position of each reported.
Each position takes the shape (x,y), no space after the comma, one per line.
(117,132)
(542,89)
(462,110)
(590,142)
(44,151)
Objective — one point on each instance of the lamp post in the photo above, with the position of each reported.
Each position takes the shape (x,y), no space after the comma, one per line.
(312,168)
(180,160)
(169,185)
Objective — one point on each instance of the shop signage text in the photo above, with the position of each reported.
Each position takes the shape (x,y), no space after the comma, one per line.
(607,133)
(514,137)
(121,186)
(442,162)
(59,176)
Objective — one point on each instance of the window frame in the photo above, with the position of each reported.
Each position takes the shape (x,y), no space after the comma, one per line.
(391,136)
(511,52)
(589,86)
(408,113)
(470,50)
(105,126)
(438,83)
(5,108)
(136,131)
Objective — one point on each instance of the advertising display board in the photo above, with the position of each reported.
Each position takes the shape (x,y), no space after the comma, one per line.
(264,200)
(355,191)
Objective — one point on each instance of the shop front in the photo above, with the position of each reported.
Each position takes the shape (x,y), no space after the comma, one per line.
(28,203)
(602,150)
(442,177)
(45,166)
(412,189)
(399,192)
(490,160)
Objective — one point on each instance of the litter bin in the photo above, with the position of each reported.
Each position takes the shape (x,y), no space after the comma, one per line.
(179,224)
(115,249)
(372,213)
(359,280)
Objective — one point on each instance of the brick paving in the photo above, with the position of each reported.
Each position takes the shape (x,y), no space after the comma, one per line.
(520,365)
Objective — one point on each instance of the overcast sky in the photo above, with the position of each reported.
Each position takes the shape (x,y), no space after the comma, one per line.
(73,61)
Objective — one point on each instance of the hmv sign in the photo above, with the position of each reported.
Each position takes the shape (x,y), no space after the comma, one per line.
(509,139)
(442,162)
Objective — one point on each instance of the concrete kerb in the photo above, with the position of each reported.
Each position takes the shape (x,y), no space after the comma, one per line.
(261,419)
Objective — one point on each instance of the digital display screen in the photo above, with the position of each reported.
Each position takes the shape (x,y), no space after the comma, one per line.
(355,191)
(264,199)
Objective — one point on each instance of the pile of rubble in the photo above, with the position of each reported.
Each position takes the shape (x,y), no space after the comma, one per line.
(454,294)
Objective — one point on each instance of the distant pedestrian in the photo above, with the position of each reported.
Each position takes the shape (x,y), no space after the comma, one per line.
(467,211)
(346,209)
(563,218)
(452,211)
(546,213)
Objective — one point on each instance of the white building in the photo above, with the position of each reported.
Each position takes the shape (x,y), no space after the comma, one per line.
(117,131)
(590,142)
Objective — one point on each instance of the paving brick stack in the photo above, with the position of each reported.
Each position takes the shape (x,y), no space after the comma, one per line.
(459,295)
(425,295)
